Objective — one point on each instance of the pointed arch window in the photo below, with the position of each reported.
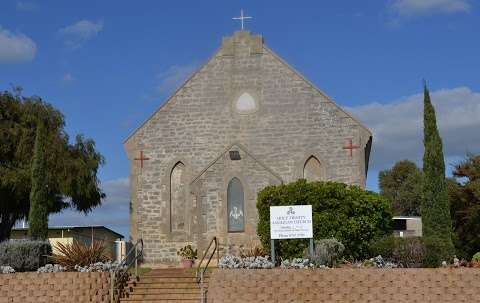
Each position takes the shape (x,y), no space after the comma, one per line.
(177,198)
(235,206)
(312,170)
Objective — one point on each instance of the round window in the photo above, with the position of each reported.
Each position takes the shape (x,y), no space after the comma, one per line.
(245,103)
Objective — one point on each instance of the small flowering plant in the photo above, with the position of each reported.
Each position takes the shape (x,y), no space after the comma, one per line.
(187,253)
(5,269)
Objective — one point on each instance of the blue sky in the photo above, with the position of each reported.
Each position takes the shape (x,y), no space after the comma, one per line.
(108,64)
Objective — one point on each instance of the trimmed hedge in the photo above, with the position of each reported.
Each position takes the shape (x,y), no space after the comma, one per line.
(24,255)
(349,214)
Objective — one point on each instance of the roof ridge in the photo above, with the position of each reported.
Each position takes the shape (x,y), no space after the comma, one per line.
(278,57)
(172,95)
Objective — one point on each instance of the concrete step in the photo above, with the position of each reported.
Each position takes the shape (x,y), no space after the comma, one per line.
(168,279)
(160,301)
(153,291)
(169,284)
(170,270)
(175,273)
(182,296)
(169,274)
(164,285)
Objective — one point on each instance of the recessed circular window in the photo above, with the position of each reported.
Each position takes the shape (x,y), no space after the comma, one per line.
(246,103)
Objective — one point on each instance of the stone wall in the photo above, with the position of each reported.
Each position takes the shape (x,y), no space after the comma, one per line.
(62,287)
(345,285)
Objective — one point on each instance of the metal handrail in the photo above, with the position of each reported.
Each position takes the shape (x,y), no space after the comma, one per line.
(138,254)
(214,240)
(119,273)
(202,271)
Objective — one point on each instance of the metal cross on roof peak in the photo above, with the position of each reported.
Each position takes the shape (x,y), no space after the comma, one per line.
(241,18)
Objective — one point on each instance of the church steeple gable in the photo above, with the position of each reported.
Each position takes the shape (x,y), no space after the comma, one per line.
(242,40)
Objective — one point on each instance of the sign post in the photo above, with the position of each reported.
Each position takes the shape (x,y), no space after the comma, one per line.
(272,250)
(290,222)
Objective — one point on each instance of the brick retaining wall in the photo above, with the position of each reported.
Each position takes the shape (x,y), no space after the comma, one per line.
(345,285)
(64,287)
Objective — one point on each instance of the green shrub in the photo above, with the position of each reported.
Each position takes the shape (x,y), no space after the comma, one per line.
(476,257)
(406,252)
(24,255)
(327,252)
(349,214)
(383,246)
(438,250)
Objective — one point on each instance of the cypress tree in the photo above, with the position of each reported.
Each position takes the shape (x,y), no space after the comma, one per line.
(437,225)
(38,214)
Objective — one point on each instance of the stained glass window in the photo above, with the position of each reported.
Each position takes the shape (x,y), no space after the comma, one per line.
(235,206)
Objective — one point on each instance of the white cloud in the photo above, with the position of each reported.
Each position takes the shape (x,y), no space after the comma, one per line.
(114,212)
(16,47)
(67,78)
(428,7)
(398,126)
(173,77)
(26,6)
(117,191)
(78,33)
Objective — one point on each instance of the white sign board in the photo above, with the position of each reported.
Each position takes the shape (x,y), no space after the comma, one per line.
(291,222)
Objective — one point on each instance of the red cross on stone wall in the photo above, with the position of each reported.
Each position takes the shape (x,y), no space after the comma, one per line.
(141,159)
(351,147)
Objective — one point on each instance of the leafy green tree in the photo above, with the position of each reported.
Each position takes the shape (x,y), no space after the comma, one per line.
(38,214)
(71,167)
(437,224)
(464,193)
(402,186)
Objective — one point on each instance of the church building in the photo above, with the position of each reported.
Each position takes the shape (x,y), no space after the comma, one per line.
(244,120)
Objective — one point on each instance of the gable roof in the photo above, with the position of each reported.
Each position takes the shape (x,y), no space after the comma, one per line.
(316,88)
(300,75)
(240,146)
(162,105)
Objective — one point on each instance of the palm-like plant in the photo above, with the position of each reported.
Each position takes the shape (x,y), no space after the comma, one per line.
(253,251)
(77,253)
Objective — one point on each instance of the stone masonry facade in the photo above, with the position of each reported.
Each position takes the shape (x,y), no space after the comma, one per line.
(287,122)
